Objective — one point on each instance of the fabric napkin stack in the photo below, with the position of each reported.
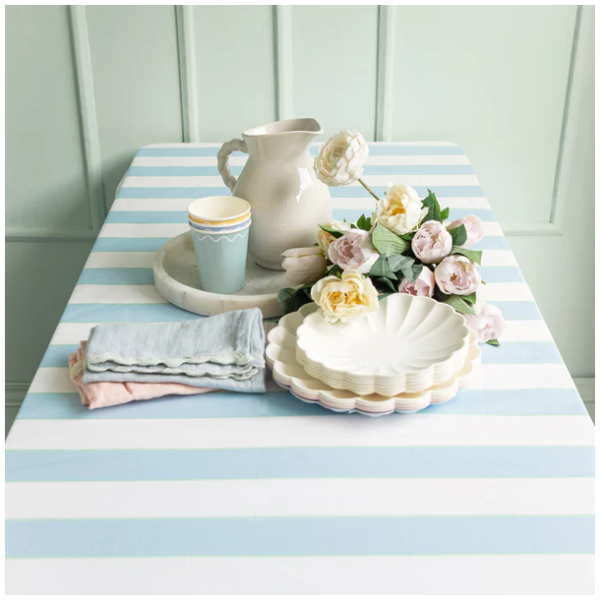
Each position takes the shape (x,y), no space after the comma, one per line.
(122,362)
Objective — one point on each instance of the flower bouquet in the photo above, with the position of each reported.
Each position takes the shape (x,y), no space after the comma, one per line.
(404,246)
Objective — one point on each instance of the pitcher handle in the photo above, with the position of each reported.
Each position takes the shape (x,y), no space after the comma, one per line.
(223,160)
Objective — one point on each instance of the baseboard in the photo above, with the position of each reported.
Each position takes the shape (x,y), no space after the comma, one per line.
(586,388)
(14,393)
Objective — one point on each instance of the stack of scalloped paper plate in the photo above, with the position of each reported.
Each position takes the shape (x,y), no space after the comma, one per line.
(411,353)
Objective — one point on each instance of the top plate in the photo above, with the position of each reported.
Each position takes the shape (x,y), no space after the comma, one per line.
(176,279)
(408,345)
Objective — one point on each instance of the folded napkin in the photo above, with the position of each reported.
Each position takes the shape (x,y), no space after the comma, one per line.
(225,351)
(108,393)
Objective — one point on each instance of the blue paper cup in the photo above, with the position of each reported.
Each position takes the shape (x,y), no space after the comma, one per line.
(221,259)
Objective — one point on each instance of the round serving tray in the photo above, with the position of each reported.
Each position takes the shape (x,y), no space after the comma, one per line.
(176,279)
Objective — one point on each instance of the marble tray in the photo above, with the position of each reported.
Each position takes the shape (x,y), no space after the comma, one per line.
(176,279)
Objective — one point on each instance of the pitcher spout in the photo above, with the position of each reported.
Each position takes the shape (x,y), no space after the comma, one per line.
(282,139)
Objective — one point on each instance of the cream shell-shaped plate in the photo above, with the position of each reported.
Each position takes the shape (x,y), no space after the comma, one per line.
(410,344)
(289,374)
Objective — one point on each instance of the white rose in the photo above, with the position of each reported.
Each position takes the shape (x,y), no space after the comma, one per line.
(324,238)
(343,299)
(399,210)
(341,158)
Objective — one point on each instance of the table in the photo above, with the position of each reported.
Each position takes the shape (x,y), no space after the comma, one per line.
(490,493)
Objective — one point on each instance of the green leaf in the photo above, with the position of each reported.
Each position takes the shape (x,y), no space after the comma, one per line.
(381,268)
(474,255)
(407,265)
(459,305)
(364,223)
(493,342)
(470,298)
(287,300)
(434,213)
(387,283)
(415,272)
(334,232)
(444,214)
(459,235)
(335,270)
(386,242)
(408,236)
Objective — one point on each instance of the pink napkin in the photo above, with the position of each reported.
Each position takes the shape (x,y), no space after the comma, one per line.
(108,393)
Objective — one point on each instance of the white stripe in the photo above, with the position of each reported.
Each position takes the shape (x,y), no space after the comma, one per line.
(488,377)
(107,260)
(369,575)
(498,258)
(514,331)
(504,292)
(299,498)
(116,294)
(168,230)
(419,429)
(180,181)
(526,331)
(366,204)
(143,230)
(238,161)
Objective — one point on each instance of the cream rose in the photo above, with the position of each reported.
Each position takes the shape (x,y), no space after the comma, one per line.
(343,299)
(456,274)
(487,322)
(424,285)
(341,158)
(432,242)
(399,210)
(324,238)
(473,227)
(303,265)
(354,250)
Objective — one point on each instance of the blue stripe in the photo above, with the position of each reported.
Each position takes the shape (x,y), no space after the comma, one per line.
(294,463)
(368,170)
(143,193)
(116,276)
(501,274)
(223,405)
(374,150)
(106,244)
(125,313)
(299,536)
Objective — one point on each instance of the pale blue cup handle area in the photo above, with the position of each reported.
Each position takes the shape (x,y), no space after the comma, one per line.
(221,260)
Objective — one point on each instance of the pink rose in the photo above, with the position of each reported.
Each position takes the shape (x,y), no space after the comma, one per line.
(303,265)
(487,322)
(354,250)
(456,274)
(474,228)
(432,242)
(423,286)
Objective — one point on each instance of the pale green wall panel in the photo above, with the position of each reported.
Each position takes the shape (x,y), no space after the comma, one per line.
(493,80)
(40,278)
(234,69)
(335,66)
(136,83)
(560,269)
(45,177)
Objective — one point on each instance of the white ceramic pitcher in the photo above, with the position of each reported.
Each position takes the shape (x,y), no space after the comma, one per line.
(288,201)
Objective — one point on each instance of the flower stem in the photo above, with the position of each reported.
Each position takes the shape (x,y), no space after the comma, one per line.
(368,189)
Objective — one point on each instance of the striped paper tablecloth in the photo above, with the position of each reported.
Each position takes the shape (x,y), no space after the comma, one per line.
(489,493)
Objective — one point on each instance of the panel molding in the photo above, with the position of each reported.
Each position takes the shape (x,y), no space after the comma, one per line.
(186,54)
(581,55)
(385,73)
(14,393)
(14,234)
(82,57)
(283,62)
